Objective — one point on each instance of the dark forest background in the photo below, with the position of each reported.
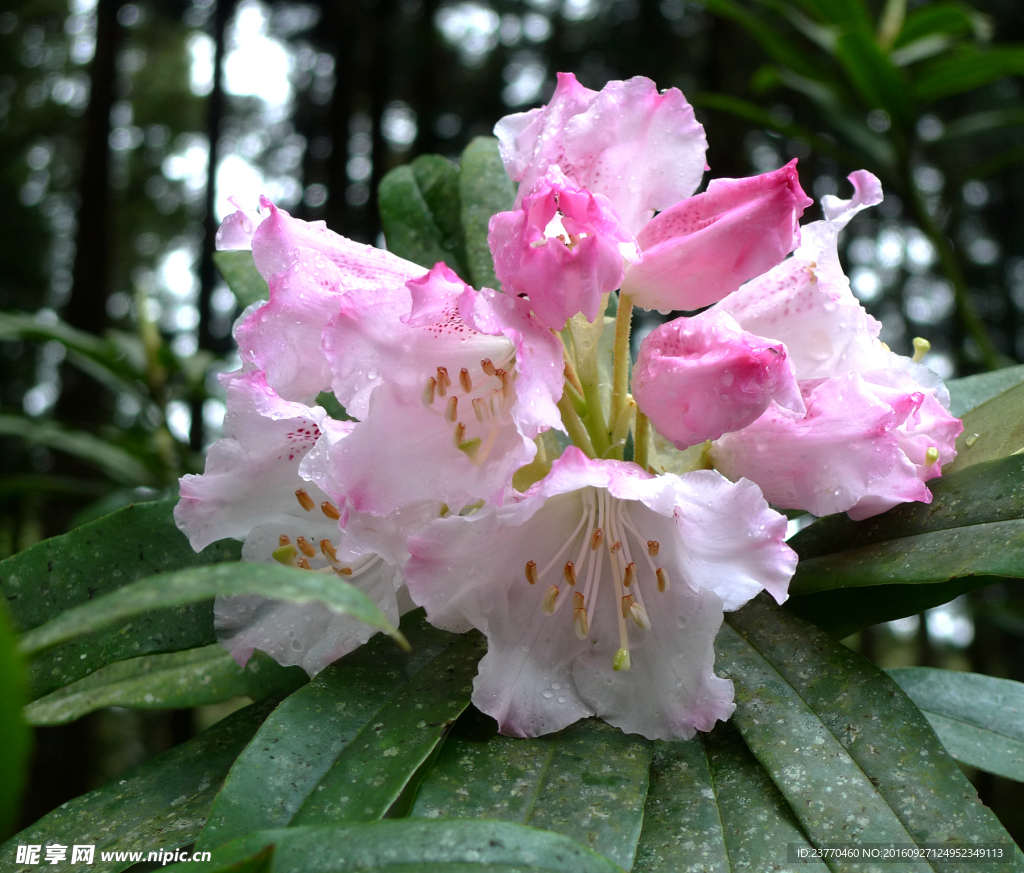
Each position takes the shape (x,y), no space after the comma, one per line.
(124,127)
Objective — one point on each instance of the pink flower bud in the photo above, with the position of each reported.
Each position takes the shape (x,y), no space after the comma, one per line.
(563,248)
(705,247)
(698,378)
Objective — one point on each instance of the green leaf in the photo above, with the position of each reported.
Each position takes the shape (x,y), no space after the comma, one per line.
(969,68)
(379,714)
(115,462)
(993,429)
(240,273)
(851,14)
(194,677)
(982,123)
(161,804)
(953,19)
(15,739)
(562,782)
(852,755)
(971,391)
(484,190)
(413,846)
(420,213)
(57,574)
(204,583)
(972,529)
(978,718)
(877,81)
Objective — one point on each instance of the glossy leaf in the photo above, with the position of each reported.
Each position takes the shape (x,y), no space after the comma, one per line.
(588,782)
(242,277)
(877,81)
(852,755)
(484,189)
(161,804)
(419,210)
(413,846)
(978,718)
(970,391)
(968,68)
(204,583)
(15,739)
(57,574)
(179,680)
(993,429)
(378,709)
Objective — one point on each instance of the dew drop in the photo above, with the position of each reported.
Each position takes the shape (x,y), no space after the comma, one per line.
(547,694)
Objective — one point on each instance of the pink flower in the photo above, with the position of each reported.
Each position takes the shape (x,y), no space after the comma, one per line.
(563,248)
(642,150)
(698,378)
(253,490)
(877,425)
(601,591)
(451,386)
(703,248)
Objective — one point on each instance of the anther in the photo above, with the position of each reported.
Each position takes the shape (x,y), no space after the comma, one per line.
(570,573)
(480,410)
(506,382)
(465,381)
(639,616)
(626,603)
(305,501)
(451,411)
(653,547)
(629,577)
(531,572)
(284,540)
(487,367)
(344,571)
(615,547)
(306,547)
(580,623)
(597,539)
(444,381)
(621,662)
(329,509)
(428,391)
(460,434)
(663,585)
(327,547)
(547,605)
(931,456)
(302,564)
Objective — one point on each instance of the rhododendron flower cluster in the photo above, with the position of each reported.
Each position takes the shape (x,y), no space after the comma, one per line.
(496,470)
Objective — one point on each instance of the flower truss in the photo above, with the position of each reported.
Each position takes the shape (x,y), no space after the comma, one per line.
(495,465)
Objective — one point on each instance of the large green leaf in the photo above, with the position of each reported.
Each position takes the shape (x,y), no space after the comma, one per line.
(204,583)
(968,68)
(14,733)
(412,846)
(420,213)
(242,277)
(179,680)
(57,574)
(970,391)
(375,715)
(159,804)
(949,18)
(993,429)
(978,718)
(484,189)
(878,82)
(588,782)
(970,534)
(852,755)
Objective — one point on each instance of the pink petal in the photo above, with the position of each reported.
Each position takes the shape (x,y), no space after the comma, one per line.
(702,248)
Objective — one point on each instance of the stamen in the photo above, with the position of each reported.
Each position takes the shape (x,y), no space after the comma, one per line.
(284,540)
(506,383)
(531,572)
(444,381)
(487,367)
(305,501)
(460,435)
(480,410)
(570,573)
(630,575)
(615,547)
(465,381)
(653,547)
(428,391)
(451,411)
(302,564)
(580,623)
(621,662)
(306,547)
(626,603)
(596,539)
(344,571)
(327,547)
(547,605)
(639,616)
(330,510)
(663,584)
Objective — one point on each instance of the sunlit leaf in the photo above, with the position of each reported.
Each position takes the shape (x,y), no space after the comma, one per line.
(242,277)
(978,718)
(484,189)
